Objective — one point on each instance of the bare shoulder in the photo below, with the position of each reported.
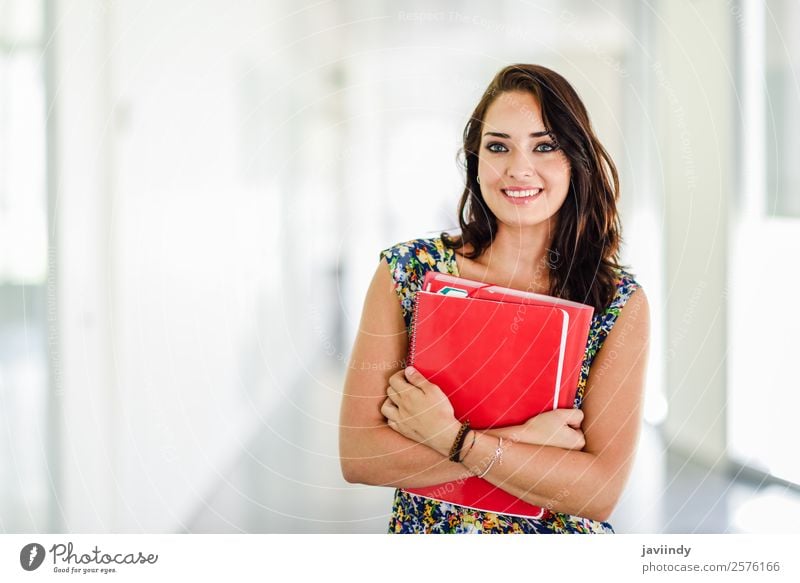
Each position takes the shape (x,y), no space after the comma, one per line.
(615,388)
(632,327)
(382,313)
(627,343)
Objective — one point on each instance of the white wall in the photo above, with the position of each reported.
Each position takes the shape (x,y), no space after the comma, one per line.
(84,396)
(694,88)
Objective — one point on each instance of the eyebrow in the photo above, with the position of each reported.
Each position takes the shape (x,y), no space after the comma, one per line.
(506,136)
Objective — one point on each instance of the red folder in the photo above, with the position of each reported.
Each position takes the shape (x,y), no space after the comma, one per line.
(501,356)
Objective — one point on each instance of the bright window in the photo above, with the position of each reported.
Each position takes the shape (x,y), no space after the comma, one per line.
(765,244)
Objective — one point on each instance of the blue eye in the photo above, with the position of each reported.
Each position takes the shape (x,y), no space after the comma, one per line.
(546,147)
(493,144)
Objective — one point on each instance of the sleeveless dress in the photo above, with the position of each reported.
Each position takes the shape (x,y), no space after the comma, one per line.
(408,263)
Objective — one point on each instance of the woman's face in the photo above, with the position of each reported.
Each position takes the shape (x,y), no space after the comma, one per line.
(524,176)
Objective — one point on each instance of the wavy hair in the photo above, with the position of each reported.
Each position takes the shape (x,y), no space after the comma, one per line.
(584,251)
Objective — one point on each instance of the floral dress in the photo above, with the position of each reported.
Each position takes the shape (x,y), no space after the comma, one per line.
(411,513)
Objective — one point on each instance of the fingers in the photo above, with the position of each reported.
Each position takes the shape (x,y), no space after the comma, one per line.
(572,417)
(580,440)
(567,438)
(399,383)
(394,421)
(399,391)
(390,411)
(412,378)
(576,439)
(393,394)
(415,378)
(408,380)
(397,377)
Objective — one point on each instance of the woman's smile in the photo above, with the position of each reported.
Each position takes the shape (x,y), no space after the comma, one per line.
(521,196)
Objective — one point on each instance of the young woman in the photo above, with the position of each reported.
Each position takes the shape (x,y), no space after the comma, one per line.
(538,213)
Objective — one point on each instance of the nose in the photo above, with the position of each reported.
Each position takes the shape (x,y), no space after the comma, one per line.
(521,165)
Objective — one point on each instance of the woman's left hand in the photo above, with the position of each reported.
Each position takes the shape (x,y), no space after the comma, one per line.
(419,410)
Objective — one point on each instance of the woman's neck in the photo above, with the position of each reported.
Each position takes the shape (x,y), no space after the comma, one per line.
(515,251)
(517,258)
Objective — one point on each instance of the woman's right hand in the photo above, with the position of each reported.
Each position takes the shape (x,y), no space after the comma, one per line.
(557,428)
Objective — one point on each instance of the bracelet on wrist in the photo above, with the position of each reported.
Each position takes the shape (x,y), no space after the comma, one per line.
(458,443)
(496,458)
(471,445)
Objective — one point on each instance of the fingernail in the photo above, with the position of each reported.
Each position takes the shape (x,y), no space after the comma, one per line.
(410,370)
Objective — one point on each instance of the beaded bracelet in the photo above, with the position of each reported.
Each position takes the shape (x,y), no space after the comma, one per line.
(497,457)
(455,450)
(471,445)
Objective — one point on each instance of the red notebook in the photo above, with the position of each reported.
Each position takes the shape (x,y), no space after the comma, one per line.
(501,356)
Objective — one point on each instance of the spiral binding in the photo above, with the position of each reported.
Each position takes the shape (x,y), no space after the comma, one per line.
(412,340)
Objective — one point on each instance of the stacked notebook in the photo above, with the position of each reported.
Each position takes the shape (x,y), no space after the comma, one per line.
(501,356)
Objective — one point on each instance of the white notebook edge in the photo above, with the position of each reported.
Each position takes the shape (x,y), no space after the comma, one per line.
(561,352)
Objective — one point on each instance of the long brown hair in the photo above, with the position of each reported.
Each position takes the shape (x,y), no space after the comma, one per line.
(584,251)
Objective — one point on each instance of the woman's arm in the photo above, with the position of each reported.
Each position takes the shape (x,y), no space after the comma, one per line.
(586,483)
(370,452)
(557,428)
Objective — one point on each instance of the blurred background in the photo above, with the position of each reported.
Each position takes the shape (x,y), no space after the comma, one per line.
(193,196)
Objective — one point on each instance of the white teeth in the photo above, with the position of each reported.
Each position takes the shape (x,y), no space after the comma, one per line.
(522,193)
